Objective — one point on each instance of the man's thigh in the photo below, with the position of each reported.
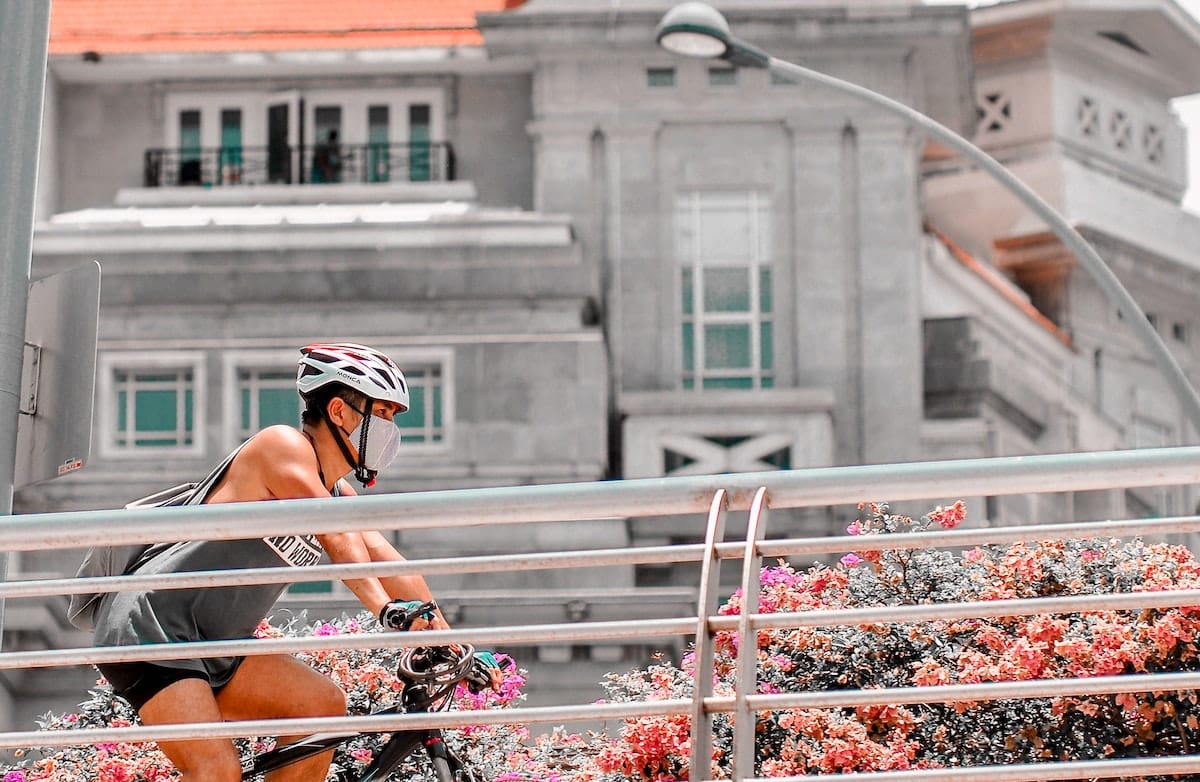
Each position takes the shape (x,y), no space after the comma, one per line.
(270,686)
(190,700)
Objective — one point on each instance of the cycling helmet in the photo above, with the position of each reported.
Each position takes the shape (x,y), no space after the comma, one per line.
(364,369)
(358,367)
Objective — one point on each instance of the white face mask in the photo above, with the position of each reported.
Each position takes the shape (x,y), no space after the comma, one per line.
(383,443)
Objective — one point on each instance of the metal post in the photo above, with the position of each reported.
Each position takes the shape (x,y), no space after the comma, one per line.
(745,717)
(700,760)
(24,31)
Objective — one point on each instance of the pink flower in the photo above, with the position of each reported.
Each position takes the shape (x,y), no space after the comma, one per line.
(855,528)
(951,517)
(851,560)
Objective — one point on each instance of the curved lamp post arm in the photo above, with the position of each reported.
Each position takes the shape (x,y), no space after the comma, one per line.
(700,21)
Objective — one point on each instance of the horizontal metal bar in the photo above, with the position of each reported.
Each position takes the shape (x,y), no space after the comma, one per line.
(369,724)
(1024,772)
(959,538)
(839,698)
(607,500)
(966,537)
(1122,601)
(586,631)
(953,693)
(289,575)
(484,637)
(594,558)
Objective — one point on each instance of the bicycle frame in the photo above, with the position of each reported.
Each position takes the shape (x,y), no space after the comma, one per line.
(389,757)
(416,697)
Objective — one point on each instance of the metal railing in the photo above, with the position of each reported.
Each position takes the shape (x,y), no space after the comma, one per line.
(286,165)
(715,496)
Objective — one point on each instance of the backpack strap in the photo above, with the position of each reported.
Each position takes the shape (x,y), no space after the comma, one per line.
(200,493)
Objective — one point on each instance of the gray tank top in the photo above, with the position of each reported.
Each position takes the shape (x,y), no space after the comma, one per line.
(209,614)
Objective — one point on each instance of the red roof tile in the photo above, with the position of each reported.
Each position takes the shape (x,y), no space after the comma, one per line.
(145,26)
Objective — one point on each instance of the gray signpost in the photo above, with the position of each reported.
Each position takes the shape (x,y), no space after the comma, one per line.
(24,31)
(48,359)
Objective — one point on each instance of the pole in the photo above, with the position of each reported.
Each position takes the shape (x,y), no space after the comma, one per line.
(1089,259)
(24,34)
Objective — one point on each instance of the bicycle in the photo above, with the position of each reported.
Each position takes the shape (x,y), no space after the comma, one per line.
(430,675)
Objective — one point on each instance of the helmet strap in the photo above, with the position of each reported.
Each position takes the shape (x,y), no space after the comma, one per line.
(365,477)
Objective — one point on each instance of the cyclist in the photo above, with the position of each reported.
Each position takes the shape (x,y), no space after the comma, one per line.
(351,394)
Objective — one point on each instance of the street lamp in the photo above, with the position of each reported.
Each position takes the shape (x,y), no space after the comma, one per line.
(696,29)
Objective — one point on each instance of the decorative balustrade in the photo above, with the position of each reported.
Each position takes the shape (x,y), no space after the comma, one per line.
(294,165)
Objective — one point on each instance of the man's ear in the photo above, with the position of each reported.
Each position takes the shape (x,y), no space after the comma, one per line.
(336,410)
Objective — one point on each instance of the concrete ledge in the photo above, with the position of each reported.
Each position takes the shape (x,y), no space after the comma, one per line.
(761,402)
(348,193)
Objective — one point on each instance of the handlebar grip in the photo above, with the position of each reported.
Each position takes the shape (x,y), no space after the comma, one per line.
(479,677)
(400,614)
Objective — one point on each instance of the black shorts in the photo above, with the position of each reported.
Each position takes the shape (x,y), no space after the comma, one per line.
(139,682)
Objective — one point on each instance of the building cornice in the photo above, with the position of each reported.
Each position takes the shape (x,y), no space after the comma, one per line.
(1157,39)
(294,227)
(246,66)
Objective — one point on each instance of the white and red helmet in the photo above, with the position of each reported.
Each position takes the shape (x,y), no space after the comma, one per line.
(364,369)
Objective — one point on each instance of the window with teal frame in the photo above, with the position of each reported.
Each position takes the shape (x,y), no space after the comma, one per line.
(420,153)
(379,164)
(266,397)
(423,423)
(155,408)
(723,253)
(231,146)
(189,136)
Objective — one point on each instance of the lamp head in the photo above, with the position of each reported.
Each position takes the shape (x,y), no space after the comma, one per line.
(694,29)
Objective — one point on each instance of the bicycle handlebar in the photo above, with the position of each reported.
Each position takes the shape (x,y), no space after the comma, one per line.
(400,614)
(436,665)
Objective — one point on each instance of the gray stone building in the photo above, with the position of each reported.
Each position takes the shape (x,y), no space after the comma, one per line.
(597,261)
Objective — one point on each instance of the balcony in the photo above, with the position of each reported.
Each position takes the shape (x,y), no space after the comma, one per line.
(287,165)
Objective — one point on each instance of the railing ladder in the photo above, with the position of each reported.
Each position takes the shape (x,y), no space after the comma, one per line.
(700,763)
(747,653)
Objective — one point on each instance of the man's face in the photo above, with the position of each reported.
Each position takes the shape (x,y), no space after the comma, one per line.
(351,414)
(388,410)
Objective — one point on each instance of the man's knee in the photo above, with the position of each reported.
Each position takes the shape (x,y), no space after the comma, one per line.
(324,700)
(210,767)
(335,702)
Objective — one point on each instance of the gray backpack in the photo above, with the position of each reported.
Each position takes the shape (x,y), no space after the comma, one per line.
(117,560)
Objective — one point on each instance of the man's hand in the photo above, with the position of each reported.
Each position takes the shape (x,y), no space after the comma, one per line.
(485,673)
(408,615)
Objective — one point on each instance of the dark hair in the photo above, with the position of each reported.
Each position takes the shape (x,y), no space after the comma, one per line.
(316,403)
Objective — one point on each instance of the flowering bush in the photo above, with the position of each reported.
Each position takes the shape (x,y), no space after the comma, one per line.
(811,741)
(794,742)
(366,676)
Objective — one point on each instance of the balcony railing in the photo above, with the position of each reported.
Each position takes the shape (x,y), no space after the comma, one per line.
(284,165)
(721,496)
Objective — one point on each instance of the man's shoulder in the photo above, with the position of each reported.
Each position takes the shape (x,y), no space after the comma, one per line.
(279,445)
(282,460)
(280,435)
